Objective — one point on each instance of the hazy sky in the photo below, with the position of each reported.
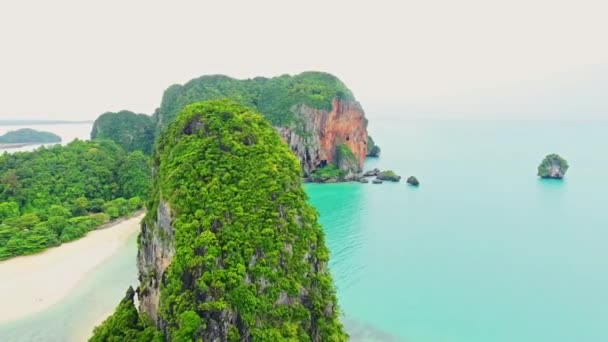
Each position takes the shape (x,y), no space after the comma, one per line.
(535,58)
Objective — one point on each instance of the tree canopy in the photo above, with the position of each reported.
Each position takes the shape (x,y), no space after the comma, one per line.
(129,130)
(272,97)
(249,252)
(58,194)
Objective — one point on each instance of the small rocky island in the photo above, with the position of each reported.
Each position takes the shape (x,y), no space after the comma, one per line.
(26,136)
(413,181)
(553,166)
(388,175)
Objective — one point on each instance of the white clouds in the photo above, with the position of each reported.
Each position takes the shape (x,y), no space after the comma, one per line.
(71,60)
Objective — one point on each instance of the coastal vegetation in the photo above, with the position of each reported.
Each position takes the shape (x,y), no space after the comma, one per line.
(28,135)
(325,174)
(126,324)
(296,105)
(250,261)
(57,194)
(129,130)
(373,150)
(346,159)
(274,97)
(388,175)
(553,166)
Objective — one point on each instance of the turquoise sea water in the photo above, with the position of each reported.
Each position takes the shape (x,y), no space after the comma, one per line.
(482,251)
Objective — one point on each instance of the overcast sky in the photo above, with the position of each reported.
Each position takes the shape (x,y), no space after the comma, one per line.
(66,59)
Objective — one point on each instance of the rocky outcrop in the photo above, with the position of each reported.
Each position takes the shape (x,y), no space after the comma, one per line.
(371,173)
(156,250)
(413,181)
(316,134)
(373,150)
(246,261)
(388,175)
(553,166)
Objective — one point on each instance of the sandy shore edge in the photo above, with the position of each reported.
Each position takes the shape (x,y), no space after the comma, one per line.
(32,283)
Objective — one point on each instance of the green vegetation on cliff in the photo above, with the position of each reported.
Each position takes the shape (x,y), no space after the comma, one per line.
(373,150)
(126,325)
(28,135)
(327,173)
(553,166)
(129,130)
(134,175)
(273,97)
(346,159)
(58,194)
(250,258)
(388,175)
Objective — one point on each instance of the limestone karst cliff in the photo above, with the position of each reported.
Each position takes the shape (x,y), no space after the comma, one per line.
(314,112)
(322,132)
(129,130)
(230,250)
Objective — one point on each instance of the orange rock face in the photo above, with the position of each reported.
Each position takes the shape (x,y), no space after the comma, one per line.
(317,133)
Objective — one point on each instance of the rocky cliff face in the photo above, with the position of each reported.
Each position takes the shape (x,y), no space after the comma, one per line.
(317,133)
(156,250)
(230,250)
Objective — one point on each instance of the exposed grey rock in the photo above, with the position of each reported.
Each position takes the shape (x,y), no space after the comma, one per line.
(154,256)
(413,181)
(371,173)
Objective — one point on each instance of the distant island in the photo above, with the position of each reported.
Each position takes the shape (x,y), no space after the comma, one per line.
(26,136)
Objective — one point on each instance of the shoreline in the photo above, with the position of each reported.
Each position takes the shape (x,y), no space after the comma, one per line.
(8,146)
(45,278)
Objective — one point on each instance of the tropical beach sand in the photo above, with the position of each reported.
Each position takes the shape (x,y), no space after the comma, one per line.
(35,282)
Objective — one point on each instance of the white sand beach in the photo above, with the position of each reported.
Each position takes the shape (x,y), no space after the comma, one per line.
(29,284)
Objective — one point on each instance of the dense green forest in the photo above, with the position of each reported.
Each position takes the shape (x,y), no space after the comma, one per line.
(249,255)
(28,135)
(273,97)
(129,130)
(59,193)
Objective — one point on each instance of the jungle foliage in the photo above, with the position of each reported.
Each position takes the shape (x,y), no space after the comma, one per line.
(129,130)
(249,251)
(274,97)
(58,194)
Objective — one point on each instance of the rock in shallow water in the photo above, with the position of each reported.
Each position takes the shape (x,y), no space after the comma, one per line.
(371,173)
(413,181)
(388,175)
(377,181)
